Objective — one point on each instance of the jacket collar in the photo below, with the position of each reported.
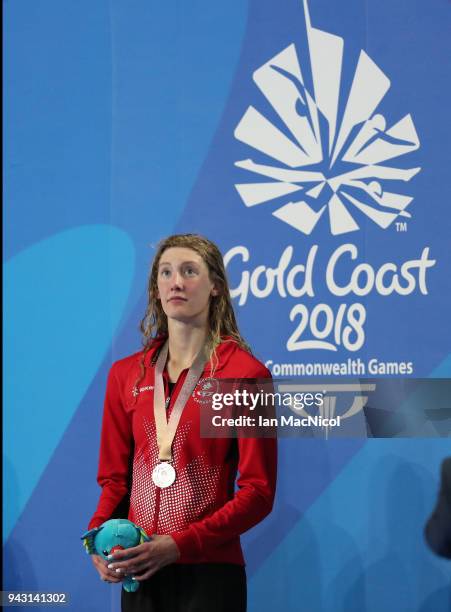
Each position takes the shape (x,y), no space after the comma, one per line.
(224,352)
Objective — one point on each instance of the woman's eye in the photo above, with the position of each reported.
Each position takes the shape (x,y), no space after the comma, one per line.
(190,271)
(165,273)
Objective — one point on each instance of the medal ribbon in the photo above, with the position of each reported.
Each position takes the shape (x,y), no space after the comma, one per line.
(166,429)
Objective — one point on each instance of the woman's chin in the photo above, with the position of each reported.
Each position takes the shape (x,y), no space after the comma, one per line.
(187,318)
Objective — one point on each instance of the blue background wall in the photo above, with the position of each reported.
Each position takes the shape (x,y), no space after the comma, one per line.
(119,130)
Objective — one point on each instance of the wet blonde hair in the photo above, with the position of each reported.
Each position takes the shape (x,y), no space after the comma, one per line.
(221,317)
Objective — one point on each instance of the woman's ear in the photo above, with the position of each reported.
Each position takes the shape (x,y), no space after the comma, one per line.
(214,292)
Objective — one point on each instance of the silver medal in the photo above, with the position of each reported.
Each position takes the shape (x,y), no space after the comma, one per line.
(163,475)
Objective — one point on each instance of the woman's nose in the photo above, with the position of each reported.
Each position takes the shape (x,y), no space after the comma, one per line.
(177,280)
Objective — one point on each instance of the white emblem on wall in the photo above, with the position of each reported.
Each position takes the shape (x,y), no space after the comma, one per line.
(313,136)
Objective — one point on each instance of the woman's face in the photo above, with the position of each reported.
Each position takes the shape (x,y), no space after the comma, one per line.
(184,285)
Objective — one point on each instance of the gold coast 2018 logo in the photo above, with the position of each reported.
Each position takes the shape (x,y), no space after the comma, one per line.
(317,166)
(335,164)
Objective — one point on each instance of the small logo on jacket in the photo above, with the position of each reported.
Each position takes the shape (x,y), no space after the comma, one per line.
(205,388)
(137,391)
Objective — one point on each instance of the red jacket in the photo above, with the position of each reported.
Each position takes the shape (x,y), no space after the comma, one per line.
(201,510)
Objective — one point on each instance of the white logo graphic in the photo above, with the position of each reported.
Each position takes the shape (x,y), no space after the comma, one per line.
(137,391)
(205,389)
(342,152)
(328,409)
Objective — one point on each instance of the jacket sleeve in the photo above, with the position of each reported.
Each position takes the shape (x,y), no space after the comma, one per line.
(253,499)
(438,528)
(116,445)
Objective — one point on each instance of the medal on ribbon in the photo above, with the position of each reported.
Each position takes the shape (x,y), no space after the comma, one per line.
(164,474)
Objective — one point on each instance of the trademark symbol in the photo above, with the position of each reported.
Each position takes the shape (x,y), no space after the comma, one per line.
(401,226)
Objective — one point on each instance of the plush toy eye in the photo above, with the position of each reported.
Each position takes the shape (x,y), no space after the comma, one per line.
(105,552)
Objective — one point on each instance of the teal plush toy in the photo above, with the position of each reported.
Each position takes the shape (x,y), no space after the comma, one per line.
(116,534)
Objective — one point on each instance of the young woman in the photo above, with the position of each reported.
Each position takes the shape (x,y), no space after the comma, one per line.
(183,487)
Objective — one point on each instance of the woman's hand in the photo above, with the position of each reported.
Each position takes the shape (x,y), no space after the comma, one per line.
(105,574)
(144,560)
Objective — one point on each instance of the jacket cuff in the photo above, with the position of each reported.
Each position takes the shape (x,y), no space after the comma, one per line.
(95,522)
(187,543)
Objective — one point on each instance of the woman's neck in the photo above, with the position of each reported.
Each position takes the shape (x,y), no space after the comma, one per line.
(185,341)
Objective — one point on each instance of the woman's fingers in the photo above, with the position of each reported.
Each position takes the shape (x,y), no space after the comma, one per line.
(125,567)
(130,567)
(144,560)
(105,574)
(111,576)
(149,571)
